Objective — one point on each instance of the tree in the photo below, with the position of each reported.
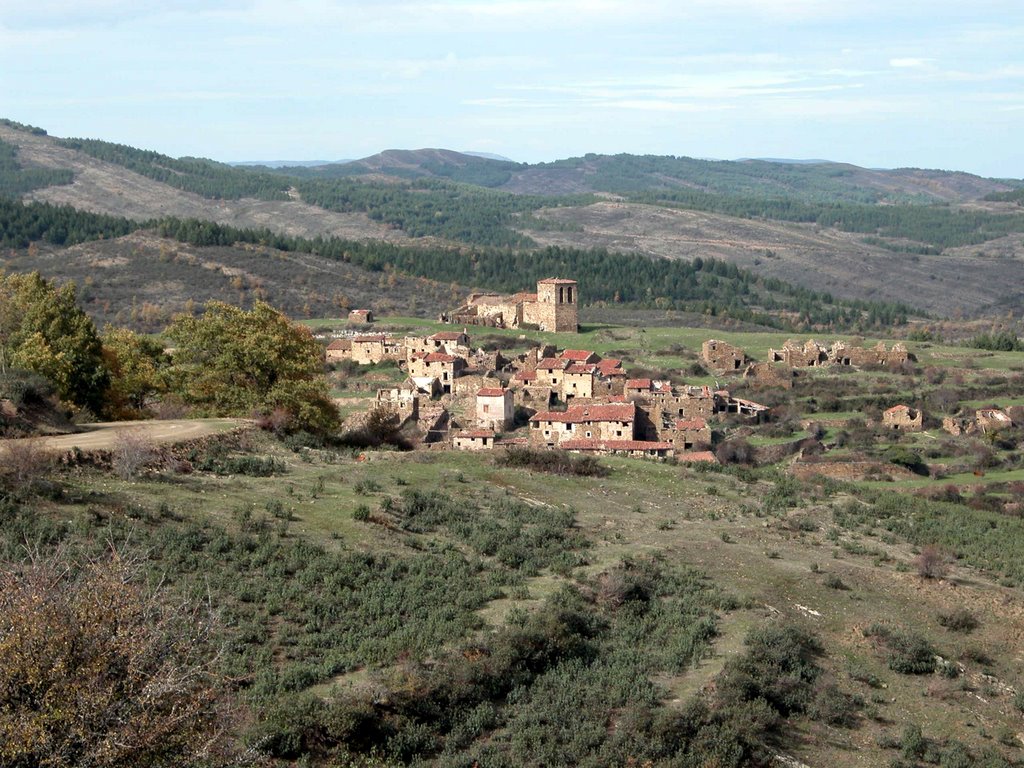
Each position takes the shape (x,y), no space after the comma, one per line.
(234,362)
(42,329)
(97,670)
(137,367)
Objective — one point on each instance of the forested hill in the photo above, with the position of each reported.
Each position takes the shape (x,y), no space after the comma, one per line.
(625,174)
(831,228)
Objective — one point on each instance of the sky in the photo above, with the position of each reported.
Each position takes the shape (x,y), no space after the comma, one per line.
(878,83)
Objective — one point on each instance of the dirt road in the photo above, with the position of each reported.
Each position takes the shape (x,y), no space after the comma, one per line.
(103,436)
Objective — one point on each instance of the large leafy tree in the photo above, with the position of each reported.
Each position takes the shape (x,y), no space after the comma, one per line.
(42,329)
(231,361)
(137,367)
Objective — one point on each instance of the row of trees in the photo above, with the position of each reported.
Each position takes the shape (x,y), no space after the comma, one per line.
(708,286)
(229,361)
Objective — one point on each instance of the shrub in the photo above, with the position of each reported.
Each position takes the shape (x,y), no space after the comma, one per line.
(959,620)
(100,671)
(932,563)
(131,451)
(832,581)
(909,652)
(555,462)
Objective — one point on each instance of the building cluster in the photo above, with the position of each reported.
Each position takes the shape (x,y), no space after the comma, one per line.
(571,399)
(575,400)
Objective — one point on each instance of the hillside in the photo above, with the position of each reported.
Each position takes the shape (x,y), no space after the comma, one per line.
(141,280)
(970,279)
(625,174)
(824,226)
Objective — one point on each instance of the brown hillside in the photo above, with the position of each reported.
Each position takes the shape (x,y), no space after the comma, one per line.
(969,280)
(141,280)
(108,188)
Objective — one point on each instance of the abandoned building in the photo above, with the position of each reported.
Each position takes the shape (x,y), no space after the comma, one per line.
(494,408)
(376,348)
(983,421)
(473,440)
(360,316)
(811,353)
(721,357)
(690,433)
(603,422)
(553,308)
(339,349)
(437,365)
(903,418)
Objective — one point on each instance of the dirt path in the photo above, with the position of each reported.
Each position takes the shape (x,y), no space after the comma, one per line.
(103,436)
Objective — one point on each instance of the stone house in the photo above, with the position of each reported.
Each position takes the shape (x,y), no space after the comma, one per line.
(798,355)
(551,372)
(376,348)
(603,422)
(726,403)
(720,356)
(494,408)
(690,402)
(690,433)
(903,418)
(473,440)
(339,349)
(983,421)
(578,381)
(403,399)
(771,375)
(992,419)
(360,316)
(443,367)
(553,308)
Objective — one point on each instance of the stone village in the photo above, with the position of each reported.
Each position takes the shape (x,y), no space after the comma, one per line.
(575,400)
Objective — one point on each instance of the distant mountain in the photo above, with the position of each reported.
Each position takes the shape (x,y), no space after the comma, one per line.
(951,241)
(286,163)
(490,156)
(785,160)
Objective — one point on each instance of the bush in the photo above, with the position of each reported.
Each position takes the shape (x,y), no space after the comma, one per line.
(932,563)
(555,462)
(959,620)
(909,652)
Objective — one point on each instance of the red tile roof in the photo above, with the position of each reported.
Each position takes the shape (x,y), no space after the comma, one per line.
(439,357)
(340,344)
(525,376)
(592,444)
(550,363)
(579,355)
(372,337)
(582,414)
(609,365)
(491,392)
(691,424)
(523,296)
(638,384)
(447,336)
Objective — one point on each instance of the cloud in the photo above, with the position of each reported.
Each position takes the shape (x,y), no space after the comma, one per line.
(910,63)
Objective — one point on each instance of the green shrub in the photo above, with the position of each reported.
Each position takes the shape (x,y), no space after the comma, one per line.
(959,620)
